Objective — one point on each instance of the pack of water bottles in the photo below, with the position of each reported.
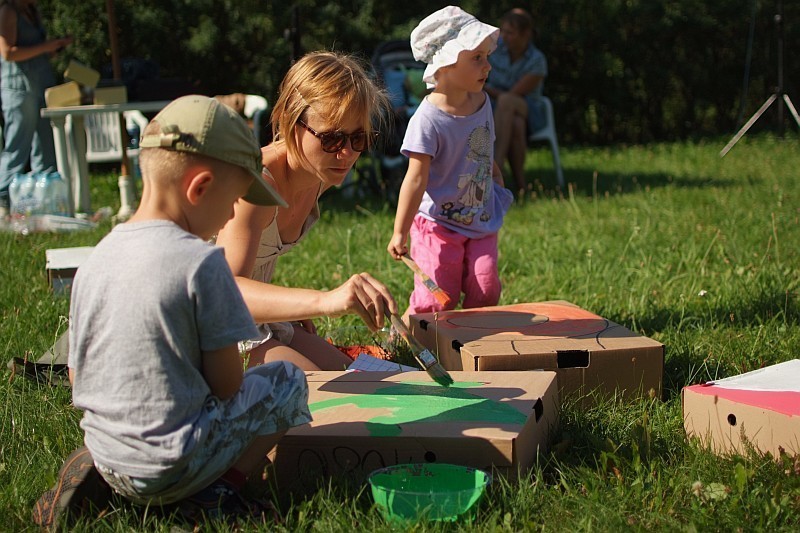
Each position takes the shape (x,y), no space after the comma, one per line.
(39,193)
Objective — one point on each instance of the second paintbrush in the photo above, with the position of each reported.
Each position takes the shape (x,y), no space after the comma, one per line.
(431,285)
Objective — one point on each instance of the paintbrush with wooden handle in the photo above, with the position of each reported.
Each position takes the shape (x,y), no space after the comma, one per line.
(431,285)
(423,356)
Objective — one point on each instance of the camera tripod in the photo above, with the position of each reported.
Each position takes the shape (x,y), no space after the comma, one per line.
(779,95)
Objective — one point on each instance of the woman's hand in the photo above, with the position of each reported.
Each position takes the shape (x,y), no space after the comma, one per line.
(362,295)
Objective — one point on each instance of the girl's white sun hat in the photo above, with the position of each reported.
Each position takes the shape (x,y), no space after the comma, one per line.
(439,38)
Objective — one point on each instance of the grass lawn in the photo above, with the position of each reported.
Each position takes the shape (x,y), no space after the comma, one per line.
(697,252)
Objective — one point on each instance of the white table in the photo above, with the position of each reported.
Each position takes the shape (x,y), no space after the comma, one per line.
(70,143)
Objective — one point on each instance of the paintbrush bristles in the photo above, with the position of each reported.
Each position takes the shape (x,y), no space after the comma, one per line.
(431,285)
(437,292)
(423,356)
(434,369)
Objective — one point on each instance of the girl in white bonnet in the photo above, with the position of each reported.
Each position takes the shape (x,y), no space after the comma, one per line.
(452,200)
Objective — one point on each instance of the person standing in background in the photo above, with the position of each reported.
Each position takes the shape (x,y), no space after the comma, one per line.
(515,86)
(25,73)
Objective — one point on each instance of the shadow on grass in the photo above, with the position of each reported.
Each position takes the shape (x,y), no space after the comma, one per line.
(590,182)
(364,194)
(614,438)
(684,365)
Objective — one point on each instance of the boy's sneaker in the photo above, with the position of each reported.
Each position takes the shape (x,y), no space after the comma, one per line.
(79,487)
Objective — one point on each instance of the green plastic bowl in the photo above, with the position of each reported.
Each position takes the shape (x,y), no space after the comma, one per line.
(434,491)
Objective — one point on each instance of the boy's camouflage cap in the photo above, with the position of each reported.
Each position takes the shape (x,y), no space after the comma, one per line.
(202,125)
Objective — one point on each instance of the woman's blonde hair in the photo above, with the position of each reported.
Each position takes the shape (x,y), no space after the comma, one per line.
(335,86)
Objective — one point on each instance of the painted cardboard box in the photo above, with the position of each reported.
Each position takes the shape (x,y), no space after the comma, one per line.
(759,409)
(589,353)
(367,420)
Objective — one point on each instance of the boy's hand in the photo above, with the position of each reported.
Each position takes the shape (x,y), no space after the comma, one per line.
(222,370)
(397,246)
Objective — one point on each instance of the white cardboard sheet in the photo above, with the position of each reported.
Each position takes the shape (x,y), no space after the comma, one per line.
(367,363)
(776,378)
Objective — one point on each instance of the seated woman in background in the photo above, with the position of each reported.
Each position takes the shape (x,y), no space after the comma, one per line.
(515,86)
(325,116)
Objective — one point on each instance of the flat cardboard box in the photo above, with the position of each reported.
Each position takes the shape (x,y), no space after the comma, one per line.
(758,410)
(78,72)
(111,95)
(61,265)
(363,421)
(589,353)
(64,95)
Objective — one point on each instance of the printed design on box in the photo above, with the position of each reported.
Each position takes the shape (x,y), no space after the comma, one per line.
(539,320)
(776,388)
(424,402)
(784,402)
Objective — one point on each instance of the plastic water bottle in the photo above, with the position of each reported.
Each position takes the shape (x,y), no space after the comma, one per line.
(57,195)
(22,190)
(14,186)
(40,197)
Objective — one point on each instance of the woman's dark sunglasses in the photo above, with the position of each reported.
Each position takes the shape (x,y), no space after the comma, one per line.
(333,141)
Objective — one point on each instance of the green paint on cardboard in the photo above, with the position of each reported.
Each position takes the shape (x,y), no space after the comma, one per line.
(424,402)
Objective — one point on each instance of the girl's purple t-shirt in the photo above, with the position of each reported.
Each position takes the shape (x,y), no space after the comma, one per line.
(461,194)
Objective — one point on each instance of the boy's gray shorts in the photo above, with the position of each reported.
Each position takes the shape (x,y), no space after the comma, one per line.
(273,398)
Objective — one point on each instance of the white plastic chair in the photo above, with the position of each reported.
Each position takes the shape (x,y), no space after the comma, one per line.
(255,108)
(103,136)
(548,133)
(253,103)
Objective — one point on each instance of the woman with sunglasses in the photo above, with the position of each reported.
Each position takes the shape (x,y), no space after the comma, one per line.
(324,117)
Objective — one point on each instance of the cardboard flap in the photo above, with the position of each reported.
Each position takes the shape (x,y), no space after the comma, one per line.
(525,328)
(545,319)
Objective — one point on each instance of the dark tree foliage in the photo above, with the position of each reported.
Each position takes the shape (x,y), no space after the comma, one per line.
(620,70)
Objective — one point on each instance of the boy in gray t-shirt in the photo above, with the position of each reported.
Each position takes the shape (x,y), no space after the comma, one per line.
(155,318)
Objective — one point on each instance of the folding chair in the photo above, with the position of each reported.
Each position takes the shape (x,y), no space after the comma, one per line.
(103,138)
(548,133)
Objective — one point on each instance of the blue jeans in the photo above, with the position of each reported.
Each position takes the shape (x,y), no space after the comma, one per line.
(27,135)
